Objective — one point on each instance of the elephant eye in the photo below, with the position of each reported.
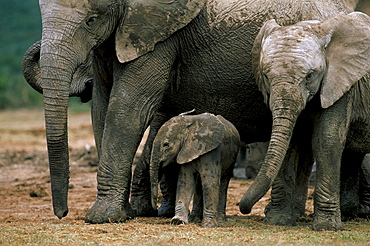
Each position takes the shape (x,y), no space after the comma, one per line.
(91,20)
(166,144)
(264,76)
(310,76)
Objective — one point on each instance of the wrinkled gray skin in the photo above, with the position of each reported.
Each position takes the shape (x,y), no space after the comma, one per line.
(317,70)
(81,85)
(205,146)
(150,56)
(257,13)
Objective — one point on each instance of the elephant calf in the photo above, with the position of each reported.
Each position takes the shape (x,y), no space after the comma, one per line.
(315,77)
(206,147)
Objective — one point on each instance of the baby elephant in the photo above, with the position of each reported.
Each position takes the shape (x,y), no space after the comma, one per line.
(205,146)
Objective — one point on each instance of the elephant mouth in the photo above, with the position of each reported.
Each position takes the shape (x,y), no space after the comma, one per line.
(86,94)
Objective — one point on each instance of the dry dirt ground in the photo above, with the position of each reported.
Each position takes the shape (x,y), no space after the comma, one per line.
(24,178)
(26,197)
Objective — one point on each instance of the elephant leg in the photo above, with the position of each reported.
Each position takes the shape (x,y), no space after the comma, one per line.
(280,211)
(168,185)
(100,97)
(221,209)
(349,184)
(364,209)
(328,144)
(304,171)
(133,102)
(289,190)
(196,214)
(210,175)
(184,193)
(140,190)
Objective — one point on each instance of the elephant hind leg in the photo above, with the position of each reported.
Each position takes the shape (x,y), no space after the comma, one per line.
(350,193)
(221,209)
(364,209)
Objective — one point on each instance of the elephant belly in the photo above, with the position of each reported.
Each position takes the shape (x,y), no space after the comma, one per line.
(224,89)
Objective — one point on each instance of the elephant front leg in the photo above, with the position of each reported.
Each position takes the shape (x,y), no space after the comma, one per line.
(114,176)
(280,211)
(168,184)
(328,144)
(184,193)
(289,191)
(210,175)
(136,94)
(140,191)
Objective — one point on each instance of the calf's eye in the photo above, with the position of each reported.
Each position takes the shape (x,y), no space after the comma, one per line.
(310,76)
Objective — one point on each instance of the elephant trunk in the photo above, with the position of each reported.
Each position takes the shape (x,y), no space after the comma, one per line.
(30,68)
(285,112)
(56,75)
(60,56)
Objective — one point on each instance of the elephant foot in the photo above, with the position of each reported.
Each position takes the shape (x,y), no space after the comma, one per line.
(279,216)
(280,219)
(104,212)
(143,210)
(141,205)
(178,220)
(221,218)
(196,216)
(209,222)
(166,210)
(364,211)
(334,224)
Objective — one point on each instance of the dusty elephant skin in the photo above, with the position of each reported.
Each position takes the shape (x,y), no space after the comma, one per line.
(81,85)
(205,146)
(255,16)
(151,56)
(318,70)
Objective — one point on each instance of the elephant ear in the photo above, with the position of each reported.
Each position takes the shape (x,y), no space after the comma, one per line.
(204,135)
(347,54)
(148,22)
(266,29)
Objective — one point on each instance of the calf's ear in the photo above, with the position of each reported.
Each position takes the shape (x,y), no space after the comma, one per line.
(347,40)
(203,135)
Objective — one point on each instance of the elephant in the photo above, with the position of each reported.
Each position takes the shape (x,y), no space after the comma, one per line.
(152,58)
(205,146)
(314,76)
(82,78)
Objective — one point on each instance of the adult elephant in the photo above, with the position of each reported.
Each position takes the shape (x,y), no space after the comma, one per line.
(82,79)
(151,55)
(318,71)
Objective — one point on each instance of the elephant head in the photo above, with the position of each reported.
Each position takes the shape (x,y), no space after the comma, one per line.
(181,140)
(294,63)
(71,29)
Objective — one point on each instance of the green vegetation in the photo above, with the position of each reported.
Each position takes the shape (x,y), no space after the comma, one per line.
(20,28)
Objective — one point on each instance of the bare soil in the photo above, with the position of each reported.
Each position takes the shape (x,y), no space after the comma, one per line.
(24,174)
(26,214)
